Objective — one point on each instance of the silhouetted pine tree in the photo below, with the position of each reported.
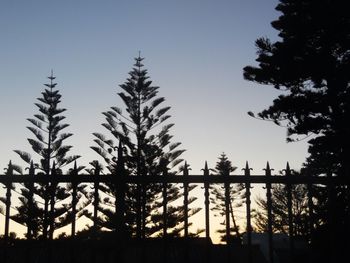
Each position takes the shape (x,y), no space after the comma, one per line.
(47,129)
(309,64)
(146,148)
(280,211)
(224,167)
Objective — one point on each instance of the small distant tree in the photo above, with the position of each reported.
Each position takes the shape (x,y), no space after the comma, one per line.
(47,128)
(224,167)
(280,211)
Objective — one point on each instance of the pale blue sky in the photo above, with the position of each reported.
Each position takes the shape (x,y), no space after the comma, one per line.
(194,50)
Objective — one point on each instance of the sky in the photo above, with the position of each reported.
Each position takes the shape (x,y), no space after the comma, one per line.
(194,50)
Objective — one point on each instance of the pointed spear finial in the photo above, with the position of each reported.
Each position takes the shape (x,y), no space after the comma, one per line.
(120,160)
(247,169)
(120,150)
(31,168)
(205,169)
(268,169)
(75,165)
(185,171)
(288,168)
(9,168)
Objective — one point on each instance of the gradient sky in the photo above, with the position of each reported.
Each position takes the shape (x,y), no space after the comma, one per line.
(194,50)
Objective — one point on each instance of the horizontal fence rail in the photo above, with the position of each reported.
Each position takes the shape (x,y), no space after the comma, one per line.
(196,179)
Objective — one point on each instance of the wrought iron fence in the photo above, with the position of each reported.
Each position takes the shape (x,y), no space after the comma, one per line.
(206,179)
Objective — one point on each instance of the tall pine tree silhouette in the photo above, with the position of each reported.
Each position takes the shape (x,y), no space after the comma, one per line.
(144,139)
(47,129)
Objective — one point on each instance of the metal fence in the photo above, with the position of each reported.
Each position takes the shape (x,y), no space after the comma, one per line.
(206,179)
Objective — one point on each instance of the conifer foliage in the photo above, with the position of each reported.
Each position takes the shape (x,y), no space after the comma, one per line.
(48,145)
(144,136)
(280,211)
(219,194)
(310,64)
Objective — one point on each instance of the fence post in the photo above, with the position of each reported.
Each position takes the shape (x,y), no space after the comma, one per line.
(96,197)
(30,202)
(165,203)
(52,201)
(74,199)
(269,210)
(8,186)
(120,195)
(290,211)
(310,206)
(206,200)
(247,196)
(185,185)
(227,206)
(143,207)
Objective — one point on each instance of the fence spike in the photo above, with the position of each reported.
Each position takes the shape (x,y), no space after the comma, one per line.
(185,171)
(120,150)
(31,168)
(10,168)
(75,166)
(247,169)
(206,166)
(53,169)
(288,168)
(268,169)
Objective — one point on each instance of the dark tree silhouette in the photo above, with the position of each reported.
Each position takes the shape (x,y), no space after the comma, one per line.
(236,199)
(145,143)
(47,129)
(310,64)
(280,211)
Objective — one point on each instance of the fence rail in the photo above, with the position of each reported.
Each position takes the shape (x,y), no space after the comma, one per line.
(191,179)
